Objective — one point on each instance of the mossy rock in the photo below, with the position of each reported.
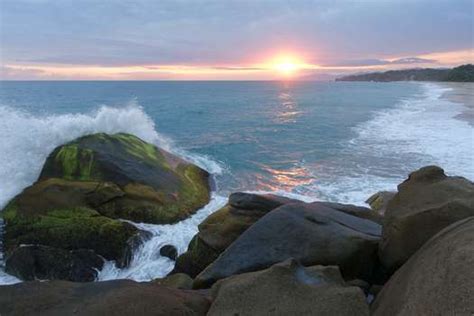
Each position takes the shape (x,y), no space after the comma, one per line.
(66,228)
(151,185)
(198,256)
(34,262)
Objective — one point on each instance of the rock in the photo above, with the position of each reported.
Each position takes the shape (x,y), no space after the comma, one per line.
(89,183)
(42,215)
(177,281)
(262,203)
(224,226)
(133,243)
(354,210)
(363,285)
(198,256)
(379,201)
(287,289)
(169,251)
(437,280)
(117,297)
(425,203)
(310,233)
(135,180)
(42,262)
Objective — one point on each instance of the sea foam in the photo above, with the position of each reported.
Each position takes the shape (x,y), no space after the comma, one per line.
(27,140)
(419,131)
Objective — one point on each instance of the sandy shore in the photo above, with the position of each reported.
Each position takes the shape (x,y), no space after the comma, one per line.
(462,93)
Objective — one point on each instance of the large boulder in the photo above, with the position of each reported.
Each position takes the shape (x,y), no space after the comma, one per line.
(144,183)
(118,297)
(43,215)
(87,185)
(42,262)
(288,289)
(437,280)
(311,233)
(224,226)
(425,203)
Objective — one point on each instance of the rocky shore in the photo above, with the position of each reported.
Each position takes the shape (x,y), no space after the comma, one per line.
(410,253)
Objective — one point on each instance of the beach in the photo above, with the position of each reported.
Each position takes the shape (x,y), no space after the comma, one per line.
(462,92)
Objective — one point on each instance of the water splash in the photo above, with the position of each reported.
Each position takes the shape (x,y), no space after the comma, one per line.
(27,140)
(147,264)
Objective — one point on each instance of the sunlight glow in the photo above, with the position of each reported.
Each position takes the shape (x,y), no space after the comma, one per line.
(287,65)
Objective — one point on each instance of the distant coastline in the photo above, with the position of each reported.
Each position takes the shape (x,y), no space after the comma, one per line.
(463,73)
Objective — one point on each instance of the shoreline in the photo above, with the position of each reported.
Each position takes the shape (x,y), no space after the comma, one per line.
(461,93)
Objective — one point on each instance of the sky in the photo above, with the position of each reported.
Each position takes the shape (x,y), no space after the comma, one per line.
(229,40)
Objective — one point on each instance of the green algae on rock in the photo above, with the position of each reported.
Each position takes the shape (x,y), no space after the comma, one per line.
(35,217)
(88,186)
(152,185)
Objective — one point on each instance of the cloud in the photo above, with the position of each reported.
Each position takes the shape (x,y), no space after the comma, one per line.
(413,60)
(381,62)
(9,73)
(235,32)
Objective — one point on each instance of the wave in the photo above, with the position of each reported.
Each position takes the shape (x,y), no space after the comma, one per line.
(147,263)
(27,140)
(418,131)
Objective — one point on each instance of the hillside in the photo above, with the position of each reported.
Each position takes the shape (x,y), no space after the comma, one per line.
(464,73)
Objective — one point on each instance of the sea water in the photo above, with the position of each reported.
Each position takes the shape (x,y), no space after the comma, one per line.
(336,141)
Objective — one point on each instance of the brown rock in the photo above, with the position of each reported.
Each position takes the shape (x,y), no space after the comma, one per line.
(437,280)
(379,201)
(425,203)
(311,233)
(221,228)
(118,297)
(288,289)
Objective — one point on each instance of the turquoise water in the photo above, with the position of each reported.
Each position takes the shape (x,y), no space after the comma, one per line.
(338,141)
(311,138)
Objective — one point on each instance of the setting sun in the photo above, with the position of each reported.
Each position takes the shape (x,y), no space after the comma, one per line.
(287,65)
(286,68)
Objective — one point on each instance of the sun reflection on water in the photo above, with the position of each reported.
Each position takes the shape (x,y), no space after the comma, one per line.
(283,179)
(287,111)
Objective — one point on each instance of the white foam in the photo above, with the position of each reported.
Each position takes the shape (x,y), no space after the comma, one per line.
(27,140)
(419,131)
(147,264)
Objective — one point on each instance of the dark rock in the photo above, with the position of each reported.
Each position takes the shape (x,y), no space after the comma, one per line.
(176,281)
(221,228)
(133,243)
(363,285)
(42,262)
(287,289)
(425,203)
(263,203)
(196,259)
(118,297)
(437,280)
(379,201)
(89,183)
(169,251)
(310,233)
(354,210)
(134,180)
(41,215)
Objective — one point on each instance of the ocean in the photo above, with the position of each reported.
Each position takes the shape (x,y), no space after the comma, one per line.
(335,141)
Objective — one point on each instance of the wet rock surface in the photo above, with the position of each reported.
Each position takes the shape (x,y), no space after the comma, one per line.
(310,233)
